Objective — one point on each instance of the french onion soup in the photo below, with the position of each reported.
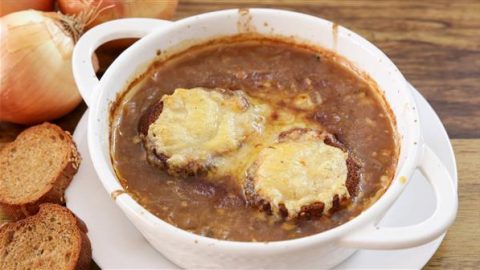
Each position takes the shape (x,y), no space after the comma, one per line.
(253,139)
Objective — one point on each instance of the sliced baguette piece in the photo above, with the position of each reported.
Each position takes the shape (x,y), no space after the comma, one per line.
(35,168)
(52,239)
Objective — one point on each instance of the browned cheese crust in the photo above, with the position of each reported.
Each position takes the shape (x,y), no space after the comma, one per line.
(316,209)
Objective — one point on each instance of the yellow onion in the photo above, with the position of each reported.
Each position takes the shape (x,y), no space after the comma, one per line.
(9,6)
(35,66)
(115,9)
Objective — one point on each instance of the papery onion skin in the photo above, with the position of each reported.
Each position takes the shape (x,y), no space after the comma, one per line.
(36,75)
(160,9)
(9,6)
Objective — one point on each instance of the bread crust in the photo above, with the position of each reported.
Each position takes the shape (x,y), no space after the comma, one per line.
(82,249)
(85,257)
(52,193)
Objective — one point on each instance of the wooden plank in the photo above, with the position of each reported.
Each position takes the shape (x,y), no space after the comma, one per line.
(461,247)
(436,44)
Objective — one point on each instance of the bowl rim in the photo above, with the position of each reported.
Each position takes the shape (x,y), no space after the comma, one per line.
(137,211)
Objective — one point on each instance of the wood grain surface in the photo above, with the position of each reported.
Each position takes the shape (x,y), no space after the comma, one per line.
(436,44)
(461,247)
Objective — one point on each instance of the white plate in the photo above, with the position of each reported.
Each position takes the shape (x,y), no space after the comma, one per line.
(117,244)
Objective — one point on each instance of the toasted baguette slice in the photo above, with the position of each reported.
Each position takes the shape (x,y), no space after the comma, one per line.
(52,239)
(36,168)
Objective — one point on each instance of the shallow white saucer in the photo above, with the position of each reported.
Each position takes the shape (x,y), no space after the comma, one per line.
(117,244)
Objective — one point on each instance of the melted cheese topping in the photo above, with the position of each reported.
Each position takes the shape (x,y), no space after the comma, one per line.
(299,172)
(198,124)
(303,102)
(239,135)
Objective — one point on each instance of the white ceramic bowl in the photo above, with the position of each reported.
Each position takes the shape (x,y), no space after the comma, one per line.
(323,250)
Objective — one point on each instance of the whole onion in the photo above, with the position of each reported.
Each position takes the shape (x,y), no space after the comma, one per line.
(36,75)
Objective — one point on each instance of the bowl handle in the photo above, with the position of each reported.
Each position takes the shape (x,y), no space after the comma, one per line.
(83,70)
(445,191)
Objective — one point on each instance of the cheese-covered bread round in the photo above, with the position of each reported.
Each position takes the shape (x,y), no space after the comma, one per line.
(194,126)
(299,175)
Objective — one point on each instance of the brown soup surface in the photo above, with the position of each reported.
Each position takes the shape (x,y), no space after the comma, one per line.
(273,71)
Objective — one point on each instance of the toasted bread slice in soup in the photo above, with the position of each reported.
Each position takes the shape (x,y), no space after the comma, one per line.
(36,168)
(305,173)
(52,239)
(186,131)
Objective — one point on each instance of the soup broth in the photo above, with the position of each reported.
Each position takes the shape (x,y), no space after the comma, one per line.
(347,105)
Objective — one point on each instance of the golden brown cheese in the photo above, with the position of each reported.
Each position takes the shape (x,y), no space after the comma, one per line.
(299,171)
(303,102)
(196,125)
(282,152)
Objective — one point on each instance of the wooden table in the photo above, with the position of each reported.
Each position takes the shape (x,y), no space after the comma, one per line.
(436,44)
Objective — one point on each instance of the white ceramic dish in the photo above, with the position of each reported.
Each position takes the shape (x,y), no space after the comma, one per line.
(116,244)
(330,247)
